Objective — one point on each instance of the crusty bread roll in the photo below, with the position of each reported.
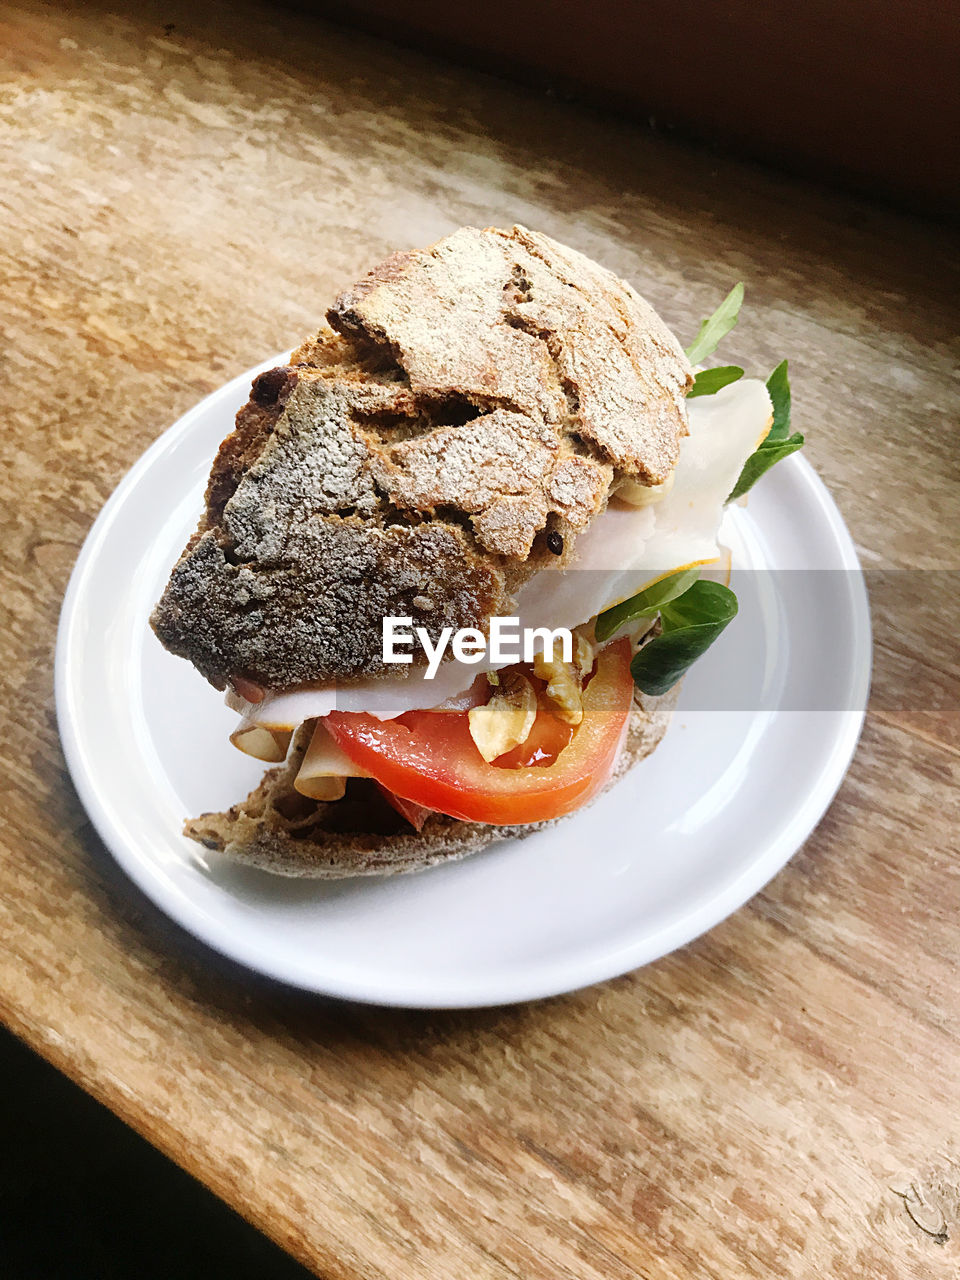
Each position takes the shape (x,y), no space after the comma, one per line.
(468,410)
(279,830)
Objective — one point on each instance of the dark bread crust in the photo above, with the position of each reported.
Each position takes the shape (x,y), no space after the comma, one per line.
(470,401)
(278,830)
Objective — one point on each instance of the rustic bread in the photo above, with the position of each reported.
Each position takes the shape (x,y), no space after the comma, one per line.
(467,403)
(278,830)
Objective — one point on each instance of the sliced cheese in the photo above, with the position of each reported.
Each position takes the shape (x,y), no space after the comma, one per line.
(263,744)
(325,767)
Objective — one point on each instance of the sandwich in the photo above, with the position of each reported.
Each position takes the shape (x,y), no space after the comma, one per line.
(458,552)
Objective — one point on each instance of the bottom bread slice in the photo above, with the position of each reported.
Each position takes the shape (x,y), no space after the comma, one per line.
(279,830)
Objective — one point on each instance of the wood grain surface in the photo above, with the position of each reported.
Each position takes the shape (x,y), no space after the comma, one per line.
(180,193)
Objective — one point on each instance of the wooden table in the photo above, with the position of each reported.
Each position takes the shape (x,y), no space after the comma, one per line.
(181,193)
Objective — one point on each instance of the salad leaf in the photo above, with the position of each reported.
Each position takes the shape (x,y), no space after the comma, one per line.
(762,460)
(779,443)
(778,387)
(691,622)
(646,603)
(717,326)
(709,381)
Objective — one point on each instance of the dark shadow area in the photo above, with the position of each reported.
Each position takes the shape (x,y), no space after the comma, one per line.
(843,91)
(82,1197)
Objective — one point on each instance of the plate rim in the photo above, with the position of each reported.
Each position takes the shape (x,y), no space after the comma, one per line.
(605,965)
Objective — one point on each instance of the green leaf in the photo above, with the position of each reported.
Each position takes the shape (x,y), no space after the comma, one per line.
(778,387)
(761,460)
(709,381)
(690,624)
(779,443)
(647,602)
(717,326)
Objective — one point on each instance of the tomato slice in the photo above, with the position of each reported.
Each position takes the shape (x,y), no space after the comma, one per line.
(431,759)
(414,813)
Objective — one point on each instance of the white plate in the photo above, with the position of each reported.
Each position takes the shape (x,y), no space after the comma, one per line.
(688,836)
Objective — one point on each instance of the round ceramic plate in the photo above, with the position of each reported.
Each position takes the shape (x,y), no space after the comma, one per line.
(767,723)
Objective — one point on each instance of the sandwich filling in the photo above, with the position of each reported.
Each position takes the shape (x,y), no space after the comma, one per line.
(529,741)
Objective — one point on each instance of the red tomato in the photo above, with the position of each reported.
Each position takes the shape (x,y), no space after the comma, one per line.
(414,813)
(432,760)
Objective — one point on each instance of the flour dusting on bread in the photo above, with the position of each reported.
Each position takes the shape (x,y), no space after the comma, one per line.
(465,403)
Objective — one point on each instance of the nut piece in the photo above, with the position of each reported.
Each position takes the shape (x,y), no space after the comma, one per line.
(584,652)
(506,720)
(565,679)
